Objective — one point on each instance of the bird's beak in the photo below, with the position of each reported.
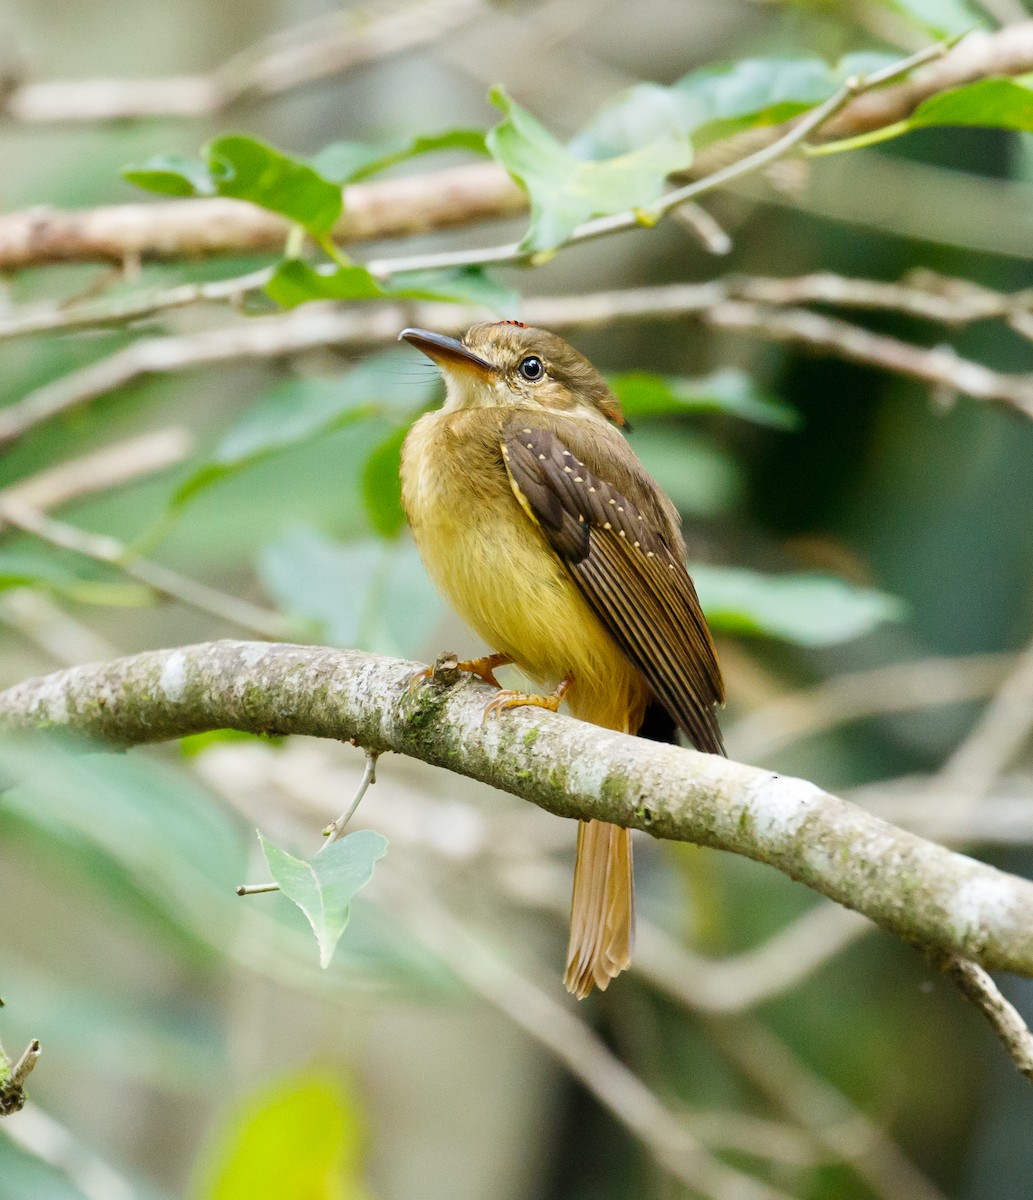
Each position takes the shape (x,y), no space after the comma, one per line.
(447,351)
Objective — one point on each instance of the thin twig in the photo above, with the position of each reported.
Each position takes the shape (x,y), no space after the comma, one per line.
(350,327)
(977,986)
(13,1077)
(580,1050)
(856,695)
(940,366)
(335,830)
(106,549)
(108,467)
(844,1130)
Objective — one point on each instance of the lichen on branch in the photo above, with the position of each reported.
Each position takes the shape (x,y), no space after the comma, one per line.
(919,890)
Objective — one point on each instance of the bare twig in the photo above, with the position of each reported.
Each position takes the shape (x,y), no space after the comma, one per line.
(317,325)
(855,695)
(109,467)
(998,735)
(941,366)
(106,549)
(315,50)
(977,986)
(13,1077)
(835,1123)
(45,1138)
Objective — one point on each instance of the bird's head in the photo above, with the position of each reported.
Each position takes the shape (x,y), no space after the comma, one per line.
(505,363)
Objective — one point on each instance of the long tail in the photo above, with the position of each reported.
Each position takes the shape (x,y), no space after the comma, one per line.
(602,911)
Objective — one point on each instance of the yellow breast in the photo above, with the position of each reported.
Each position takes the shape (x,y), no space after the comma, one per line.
(496,569)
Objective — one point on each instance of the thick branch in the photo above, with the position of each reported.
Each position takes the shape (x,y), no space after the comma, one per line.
(459,196)
(912,887)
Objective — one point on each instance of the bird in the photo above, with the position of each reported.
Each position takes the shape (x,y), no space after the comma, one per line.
(538,523)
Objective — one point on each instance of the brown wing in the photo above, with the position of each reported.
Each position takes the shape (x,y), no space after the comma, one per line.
(627,570)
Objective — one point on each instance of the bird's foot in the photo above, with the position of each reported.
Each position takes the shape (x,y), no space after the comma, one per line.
(483,668)
(510,699)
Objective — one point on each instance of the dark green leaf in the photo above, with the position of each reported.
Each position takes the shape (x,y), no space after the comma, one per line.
(808,609)
(727,391)
(324,887)
(295,282)
(300,1140)
(172,175)
(301,409)
(565,190)
(346,162)
(381,486)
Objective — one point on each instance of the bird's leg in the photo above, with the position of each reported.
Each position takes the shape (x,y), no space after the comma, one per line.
(483,668)
(510,699)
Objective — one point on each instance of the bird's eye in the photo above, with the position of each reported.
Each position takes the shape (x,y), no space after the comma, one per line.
(532,368)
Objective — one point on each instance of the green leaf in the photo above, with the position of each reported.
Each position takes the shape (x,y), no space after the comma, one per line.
(727,391)
(299,410)
(162,838)
(997,103)
(939,18)
(360,593)
(295,282)
(565,190)
(300,1140)
(808,609)
(247,169)
(381,486)
(988,103)
(25,568)
(347,162)
(717,101)
(324,887)
(172,175)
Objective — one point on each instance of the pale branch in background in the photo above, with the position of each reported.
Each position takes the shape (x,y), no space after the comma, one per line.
(186,228)
(175,229)
(668,1137)
(163,580)
(314,50)
(111,466)
(304,779)
(855,695)
(921,891)
(360,327)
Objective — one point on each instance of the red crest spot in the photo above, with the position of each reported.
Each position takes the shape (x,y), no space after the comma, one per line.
(518,324)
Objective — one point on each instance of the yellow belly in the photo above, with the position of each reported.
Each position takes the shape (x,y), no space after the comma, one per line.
(499,573)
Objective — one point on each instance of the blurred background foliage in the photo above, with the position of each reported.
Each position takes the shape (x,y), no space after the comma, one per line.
(840,520)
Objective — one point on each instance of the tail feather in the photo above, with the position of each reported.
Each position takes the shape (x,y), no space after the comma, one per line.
(602,913)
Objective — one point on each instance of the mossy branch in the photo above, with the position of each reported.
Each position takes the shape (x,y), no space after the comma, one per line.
(914,888)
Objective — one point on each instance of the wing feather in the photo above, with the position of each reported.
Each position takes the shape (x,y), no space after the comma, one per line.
(621,557)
